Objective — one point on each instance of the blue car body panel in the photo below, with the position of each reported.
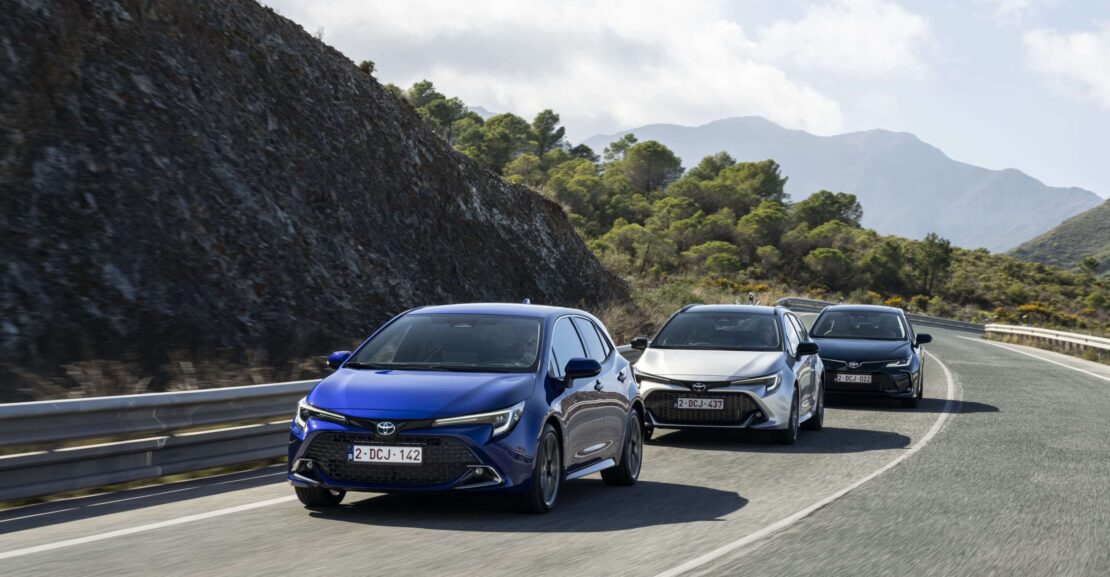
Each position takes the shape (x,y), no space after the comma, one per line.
(590,413)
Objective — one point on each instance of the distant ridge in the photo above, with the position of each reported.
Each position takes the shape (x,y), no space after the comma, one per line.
(1083,235)
(907,187)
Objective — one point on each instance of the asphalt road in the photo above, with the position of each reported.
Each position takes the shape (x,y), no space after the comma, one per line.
(1004,469)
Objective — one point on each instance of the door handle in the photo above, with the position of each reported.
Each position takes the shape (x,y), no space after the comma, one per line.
(598,386)
(621,377)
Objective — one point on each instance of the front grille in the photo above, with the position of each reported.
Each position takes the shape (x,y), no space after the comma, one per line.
(738,408)
(880,382)
(445,459)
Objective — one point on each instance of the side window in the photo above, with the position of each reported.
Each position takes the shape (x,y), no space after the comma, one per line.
(594,347)
(604,340)
(791,335)
(800,327)
(565,345)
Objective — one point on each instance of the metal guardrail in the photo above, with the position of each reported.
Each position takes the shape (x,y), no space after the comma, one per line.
(163,420)
(1092,341)
(812,305)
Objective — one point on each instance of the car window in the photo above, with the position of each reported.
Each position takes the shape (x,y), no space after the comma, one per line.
(604,340)
(870,325)
(589,336)
(800,327)
(565,345)
(720,330)
(454,342)
(792,337)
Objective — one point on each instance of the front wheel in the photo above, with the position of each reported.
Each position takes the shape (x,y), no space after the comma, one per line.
(628,469)
(319,496)
(547,475)
(789,435)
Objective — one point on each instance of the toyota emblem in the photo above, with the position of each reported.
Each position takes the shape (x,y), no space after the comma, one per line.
(385,428)
(853,365)
(698,387)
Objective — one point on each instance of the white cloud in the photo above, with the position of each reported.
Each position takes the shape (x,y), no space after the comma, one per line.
(1015,11)
(606,65)
(852,38)
(1077,62)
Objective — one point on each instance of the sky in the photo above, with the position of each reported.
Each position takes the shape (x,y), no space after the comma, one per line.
(998,83)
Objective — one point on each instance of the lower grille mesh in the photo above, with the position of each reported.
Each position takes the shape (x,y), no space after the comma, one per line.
(445,459)
(738,407)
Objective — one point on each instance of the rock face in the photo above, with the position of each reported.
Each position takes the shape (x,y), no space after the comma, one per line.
(206,175)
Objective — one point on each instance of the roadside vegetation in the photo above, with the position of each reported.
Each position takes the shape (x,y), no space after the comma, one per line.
(720,229)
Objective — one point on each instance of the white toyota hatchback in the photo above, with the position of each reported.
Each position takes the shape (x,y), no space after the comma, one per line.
(732,367)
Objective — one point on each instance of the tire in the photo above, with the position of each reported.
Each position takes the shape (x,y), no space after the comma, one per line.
(319,496)
(817,421)
(547,476)
(632,455)
(789,435)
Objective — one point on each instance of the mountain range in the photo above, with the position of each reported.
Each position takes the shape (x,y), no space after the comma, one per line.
(907,187)
(1083,235)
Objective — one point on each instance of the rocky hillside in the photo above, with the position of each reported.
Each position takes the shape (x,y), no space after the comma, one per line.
(907,187)
(207,176)
(1087,234)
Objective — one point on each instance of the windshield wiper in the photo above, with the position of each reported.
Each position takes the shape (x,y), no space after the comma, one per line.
(357,365)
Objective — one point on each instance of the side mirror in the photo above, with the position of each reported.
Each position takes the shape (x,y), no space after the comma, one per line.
(923,339)
(808,348)
(581,369)
(639,343)
(338,358)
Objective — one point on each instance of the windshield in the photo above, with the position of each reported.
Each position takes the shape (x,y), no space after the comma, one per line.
(872,325)
(725,331)
(454,342)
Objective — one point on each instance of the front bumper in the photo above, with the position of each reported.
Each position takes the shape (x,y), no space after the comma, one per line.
(746,406)
(454,458)
(896,383)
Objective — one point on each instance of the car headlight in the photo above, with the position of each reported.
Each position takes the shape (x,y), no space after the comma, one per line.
(306,411)
(648,377)
(503,421)
(902,363)
(772,382)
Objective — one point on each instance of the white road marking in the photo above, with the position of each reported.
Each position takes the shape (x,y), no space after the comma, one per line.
(786,522)
(1028,354)
(143,528)
(102,503)
(38,514)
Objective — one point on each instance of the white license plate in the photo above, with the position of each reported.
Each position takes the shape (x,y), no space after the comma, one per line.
(383,454)
(711,404)
(845,378)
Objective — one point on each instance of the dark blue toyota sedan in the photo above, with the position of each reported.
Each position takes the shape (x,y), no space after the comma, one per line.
(477,397)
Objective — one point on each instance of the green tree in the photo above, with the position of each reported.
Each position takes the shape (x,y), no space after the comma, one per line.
(1089,265)
(710,167)
(929,261)
(504,137)
(584,152)
(367,66)
(615,150)
(548,133)
(648,166)
(824,206)
(830,266)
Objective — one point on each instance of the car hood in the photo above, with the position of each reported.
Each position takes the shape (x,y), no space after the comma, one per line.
(863,350)
(688,365)
(418,394)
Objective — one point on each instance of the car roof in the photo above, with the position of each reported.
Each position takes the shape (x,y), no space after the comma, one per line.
(861,308)
(731,309)
(514,309)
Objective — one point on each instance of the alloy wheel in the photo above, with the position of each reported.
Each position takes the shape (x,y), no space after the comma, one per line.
(551,471)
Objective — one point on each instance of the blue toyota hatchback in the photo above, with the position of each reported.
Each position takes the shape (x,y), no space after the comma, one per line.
(513,398)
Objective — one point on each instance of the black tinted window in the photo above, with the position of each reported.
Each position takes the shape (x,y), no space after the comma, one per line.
(726,330)
(594,346)
(565,344)
(875,325)
(463,342)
